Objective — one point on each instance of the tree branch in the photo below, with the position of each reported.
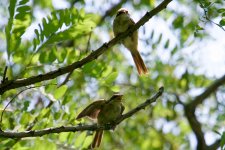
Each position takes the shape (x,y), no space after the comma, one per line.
(208,91)
(36,133)
(12,84)
(191,117)
(215,145)
(195,126)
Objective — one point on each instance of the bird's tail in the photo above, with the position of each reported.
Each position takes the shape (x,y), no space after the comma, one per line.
(97,139)
(140,65)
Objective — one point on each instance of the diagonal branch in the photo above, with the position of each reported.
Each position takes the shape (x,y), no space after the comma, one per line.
(12,84)
(215,145)
(36,133)
(208,91)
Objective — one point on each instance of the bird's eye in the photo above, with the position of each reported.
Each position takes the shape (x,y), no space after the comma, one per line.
(120,12)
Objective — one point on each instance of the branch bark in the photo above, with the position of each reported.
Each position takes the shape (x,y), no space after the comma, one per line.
(192,118)
(215,145)
(36,133)
(196,127)
(208,91)
(12,84)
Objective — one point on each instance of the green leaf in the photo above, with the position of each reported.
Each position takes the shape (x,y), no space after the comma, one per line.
(23,9)
(25,118)
(59,92)
(50,30)
(49,88)
(222,143)
(8,28)
(80,139)
(205,4)
(89,66)
(107,71)
(152,34)
(43,144)
(87,142)
(45,113)
(12,7)
(178,22)
(22,2)
(199,28)
(43,57)
(26,105)
(61,55)
(111,78)
(167,44)
(160,38)
(221,10)
(52,56)
(92,69)
(115,88)
(19,20)
(222,22)
(67,99)
(63,136)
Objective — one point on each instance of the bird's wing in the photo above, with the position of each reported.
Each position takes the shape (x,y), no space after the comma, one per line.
(92,110)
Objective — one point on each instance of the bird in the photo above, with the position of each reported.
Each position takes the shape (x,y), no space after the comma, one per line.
(105,111)
(121,23)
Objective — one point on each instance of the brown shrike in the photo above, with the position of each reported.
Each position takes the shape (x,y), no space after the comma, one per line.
(121,23)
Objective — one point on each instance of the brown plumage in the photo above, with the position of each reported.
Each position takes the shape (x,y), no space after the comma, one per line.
(121,23)
(140,65)
(105,112)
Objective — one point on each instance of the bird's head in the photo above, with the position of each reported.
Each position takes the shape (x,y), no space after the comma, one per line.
(122,11)
(116,97)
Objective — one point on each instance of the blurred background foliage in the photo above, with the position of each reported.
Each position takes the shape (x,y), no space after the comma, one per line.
(40,36)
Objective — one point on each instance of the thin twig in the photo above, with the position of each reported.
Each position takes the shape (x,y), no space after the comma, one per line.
(12,101)
(15,97)
(66,79)
(141,106)
(208,19)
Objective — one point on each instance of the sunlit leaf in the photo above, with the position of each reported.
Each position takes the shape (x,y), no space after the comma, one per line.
(222,22)
(111,78)
(59,92)
(222,143)
(80,139)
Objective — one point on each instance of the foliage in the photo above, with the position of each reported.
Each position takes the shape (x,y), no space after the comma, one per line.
(66,35)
